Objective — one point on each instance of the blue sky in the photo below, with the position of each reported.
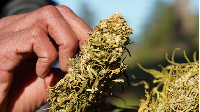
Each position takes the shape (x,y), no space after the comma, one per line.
(136,12)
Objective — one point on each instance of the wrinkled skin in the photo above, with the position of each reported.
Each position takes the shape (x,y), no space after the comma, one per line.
(29,45)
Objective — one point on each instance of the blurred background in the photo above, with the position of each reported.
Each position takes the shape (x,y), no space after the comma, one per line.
(159,27)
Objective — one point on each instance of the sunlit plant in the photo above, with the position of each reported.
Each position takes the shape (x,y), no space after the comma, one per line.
(96,69)
(179,83)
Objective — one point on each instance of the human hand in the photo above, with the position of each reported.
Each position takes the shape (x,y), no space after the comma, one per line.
(28,46)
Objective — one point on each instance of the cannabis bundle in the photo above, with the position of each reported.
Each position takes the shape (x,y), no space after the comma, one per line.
(180,88)
(95,70)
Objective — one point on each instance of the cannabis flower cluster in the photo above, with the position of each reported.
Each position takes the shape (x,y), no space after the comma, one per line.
(95,70)
(180,88)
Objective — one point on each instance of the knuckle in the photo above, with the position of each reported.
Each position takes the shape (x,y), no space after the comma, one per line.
(48,11)
(50,54)
(37,32)
(64,8)
(50,58)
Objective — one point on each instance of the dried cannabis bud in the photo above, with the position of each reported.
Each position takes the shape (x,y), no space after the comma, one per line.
(180,88)
(95,70)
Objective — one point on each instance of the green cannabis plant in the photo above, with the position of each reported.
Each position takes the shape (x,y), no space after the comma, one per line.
(180,88)
(93,74)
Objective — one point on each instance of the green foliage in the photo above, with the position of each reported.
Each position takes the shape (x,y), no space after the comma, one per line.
(166,28)
(180,88)
(94,72)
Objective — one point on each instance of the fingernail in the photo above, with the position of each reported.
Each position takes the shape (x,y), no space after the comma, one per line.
(43,76)
(46,73)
